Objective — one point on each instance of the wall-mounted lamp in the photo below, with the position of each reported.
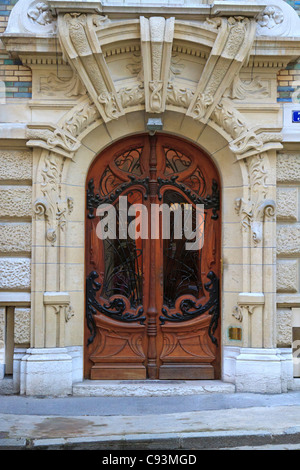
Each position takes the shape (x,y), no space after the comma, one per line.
(154,125)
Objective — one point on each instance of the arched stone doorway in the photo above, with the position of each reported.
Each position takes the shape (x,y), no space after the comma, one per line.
(153,298)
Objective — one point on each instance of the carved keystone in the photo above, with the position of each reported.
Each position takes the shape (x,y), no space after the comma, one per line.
(156,45)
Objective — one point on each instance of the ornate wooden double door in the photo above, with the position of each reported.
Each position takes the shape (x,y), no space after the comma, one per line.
(152,297)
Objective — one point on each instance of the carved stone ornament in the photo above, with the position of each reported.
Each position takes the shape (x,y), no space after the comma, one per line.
(179,96)
(241,90)
(156,67)
(231,50)
(270,17)
(229,119)
(78,38)
(68,86)
(132,95)
(68,311)
(52,138)
(237,313)
(32,17)
(278,19)
(156,51)
(51,206)
(246,141)
(258,207)
(81,117)
(40,13)
(254,141)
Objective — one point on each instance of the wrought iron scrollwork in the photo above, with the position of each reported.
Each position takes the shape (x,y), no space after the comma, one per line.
(115,309)
(94,200)
(176,162)
(211,201)
(190,310)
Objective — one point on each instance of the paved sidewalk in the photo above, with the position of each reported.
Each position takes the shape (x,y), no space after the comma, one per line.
(213,421)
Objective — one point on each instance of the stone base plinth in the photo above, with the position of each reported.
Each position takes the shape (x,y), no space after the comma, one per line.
(258,370)
(46,372)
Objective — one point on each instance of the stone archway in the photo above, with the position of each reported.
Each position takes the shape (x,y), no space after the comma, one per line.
(241,298)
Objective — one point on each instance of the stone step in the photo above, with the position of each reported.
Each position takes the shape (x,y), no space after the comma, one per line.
(149,388)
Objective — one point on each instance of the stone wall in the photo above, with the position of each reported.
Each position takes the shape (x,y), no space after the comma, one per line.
(15,234)
(288,241)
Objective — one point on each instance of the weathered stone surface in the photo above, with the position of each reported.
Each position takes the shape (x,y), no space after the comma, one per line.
(15,165)
(288,240)
(15,273)
(287,204)
(15,238)
(287,276)
(288,168)
(284,327)
(22,326)
(15,201)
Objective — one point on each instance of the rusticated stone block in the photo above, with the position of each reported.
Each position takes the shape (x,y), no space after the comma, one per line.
(287,204)
(15,165)
(15,273)
(284,328)
(15,238)
(22,326)
(15,201)
(288,240)
(287,276)
(288,168)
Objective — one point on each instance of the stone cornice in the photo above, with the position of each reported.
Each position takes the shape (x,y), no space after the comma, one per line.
(264,53)
(185,10)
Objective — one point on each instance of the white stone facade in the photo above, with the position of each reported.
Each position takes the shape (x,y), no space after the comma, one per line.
(208,70)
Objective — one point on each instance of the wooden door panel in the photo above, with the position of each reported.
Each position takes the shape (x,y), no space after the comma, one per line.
(152,307)
(188,352)
(120,351)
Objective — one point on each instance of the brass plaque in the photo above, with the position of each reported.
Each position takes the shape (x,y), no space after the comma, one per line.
(235,333)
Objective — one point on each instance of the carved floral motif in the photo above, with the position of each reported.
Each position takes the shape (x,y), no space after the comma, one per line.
(84,116)
(179,96)
(237,313)
(241,90)
(40,13)
(68,86)
(52,206)
(270,17)
(132,96)
(229,119)
(51,138)
(253,142)
(258,206)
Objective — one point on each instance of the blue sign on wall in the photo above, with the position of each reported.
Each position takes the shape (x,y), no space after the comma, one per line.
(296,116)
